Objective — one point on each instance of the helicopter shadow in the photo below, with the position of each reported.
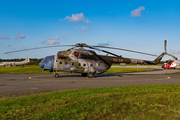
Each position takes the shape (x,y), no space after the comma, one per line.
(109,75)
(96,75)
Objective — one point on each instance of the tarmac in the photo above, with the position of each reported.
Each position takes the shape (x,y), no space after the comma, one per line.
(141,66)
(17,83)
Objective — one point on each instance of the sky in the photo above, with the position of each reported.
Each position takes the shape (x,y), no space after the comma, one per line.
(140,25)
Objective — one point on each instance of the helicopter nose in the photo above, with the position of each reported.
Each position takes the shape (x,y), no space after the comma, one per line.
(41,65)
(47,63)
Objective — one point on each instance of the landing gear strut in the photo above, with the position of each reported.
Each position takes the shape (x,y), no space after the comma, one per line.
(84,74)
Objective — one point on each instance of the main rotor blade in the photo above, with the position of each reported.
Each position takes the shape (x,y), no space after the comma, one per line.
(102,50)
(173,56)
(125,50)
(165,46)
(37,48)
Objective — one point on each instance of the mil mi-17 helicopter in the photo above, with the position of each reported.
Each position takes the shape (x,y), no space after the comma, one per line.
(85,61)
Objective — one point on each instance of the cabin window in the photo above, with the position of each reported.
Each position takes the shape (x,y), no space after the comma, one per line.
(84,64)
(60,62)
(65,63)
(79,64)
(72,63)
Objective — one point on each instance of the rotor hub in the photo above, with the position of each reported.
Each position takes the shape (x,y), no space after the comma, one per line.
(80,45)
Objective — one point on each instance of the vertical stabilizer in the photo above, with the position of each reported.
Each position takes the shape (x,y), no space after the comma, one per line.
(27,59)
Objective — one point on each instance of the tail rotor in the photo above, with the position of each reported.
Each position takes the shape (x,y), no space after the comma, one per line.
(165,49)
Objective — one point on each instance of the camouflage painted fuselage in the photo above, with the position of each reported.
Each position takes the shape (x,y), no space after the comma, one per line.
(84,61)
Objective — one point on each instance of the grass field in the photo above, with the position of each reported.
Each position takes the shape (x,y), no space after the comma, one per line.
(21,70)
(126,70)
(36,69)
(136,65)
(126,102)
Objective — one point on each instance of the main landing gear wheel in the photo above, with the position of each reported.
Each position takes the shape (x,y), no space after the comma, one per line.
(90,75)
(56,75)
(84,74)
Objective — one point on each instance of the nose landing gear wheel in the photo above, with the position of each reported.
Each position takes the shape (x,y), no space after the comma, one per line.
(56,75)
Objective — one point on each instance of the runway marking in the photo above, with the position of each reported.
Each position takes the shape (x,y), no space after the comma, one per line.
(92,79)
(85,80)
(32,88)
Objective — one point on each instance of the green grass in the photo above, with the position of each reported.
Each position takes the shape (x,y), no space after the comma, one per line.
(136,65)
(21,70)
(36,69)
(127,102)
(126,70)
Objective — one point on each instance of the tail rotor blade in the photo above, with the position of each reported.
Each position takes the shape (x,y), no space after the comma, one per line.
(165,46)
(173,56)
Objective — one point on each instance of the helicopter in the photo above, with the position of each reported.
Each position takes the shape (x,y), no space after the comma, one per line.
(169,64)
(87,62)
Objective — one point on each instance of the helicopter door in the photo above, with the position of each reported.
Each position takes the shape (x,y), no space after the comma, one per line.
(55,66)
(61,64)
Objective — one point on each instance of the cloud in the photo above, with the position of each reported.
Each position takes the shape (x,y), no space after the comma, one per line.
(63,34)
(19,36)
(82,33)
(85,28)
(57,37)
(103,44)
(76,28)
(43,41)
(87,21)
(174,51)
(51,41)
(76,18)
(4,37)
(137,12)
(69,33)
(65,38)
